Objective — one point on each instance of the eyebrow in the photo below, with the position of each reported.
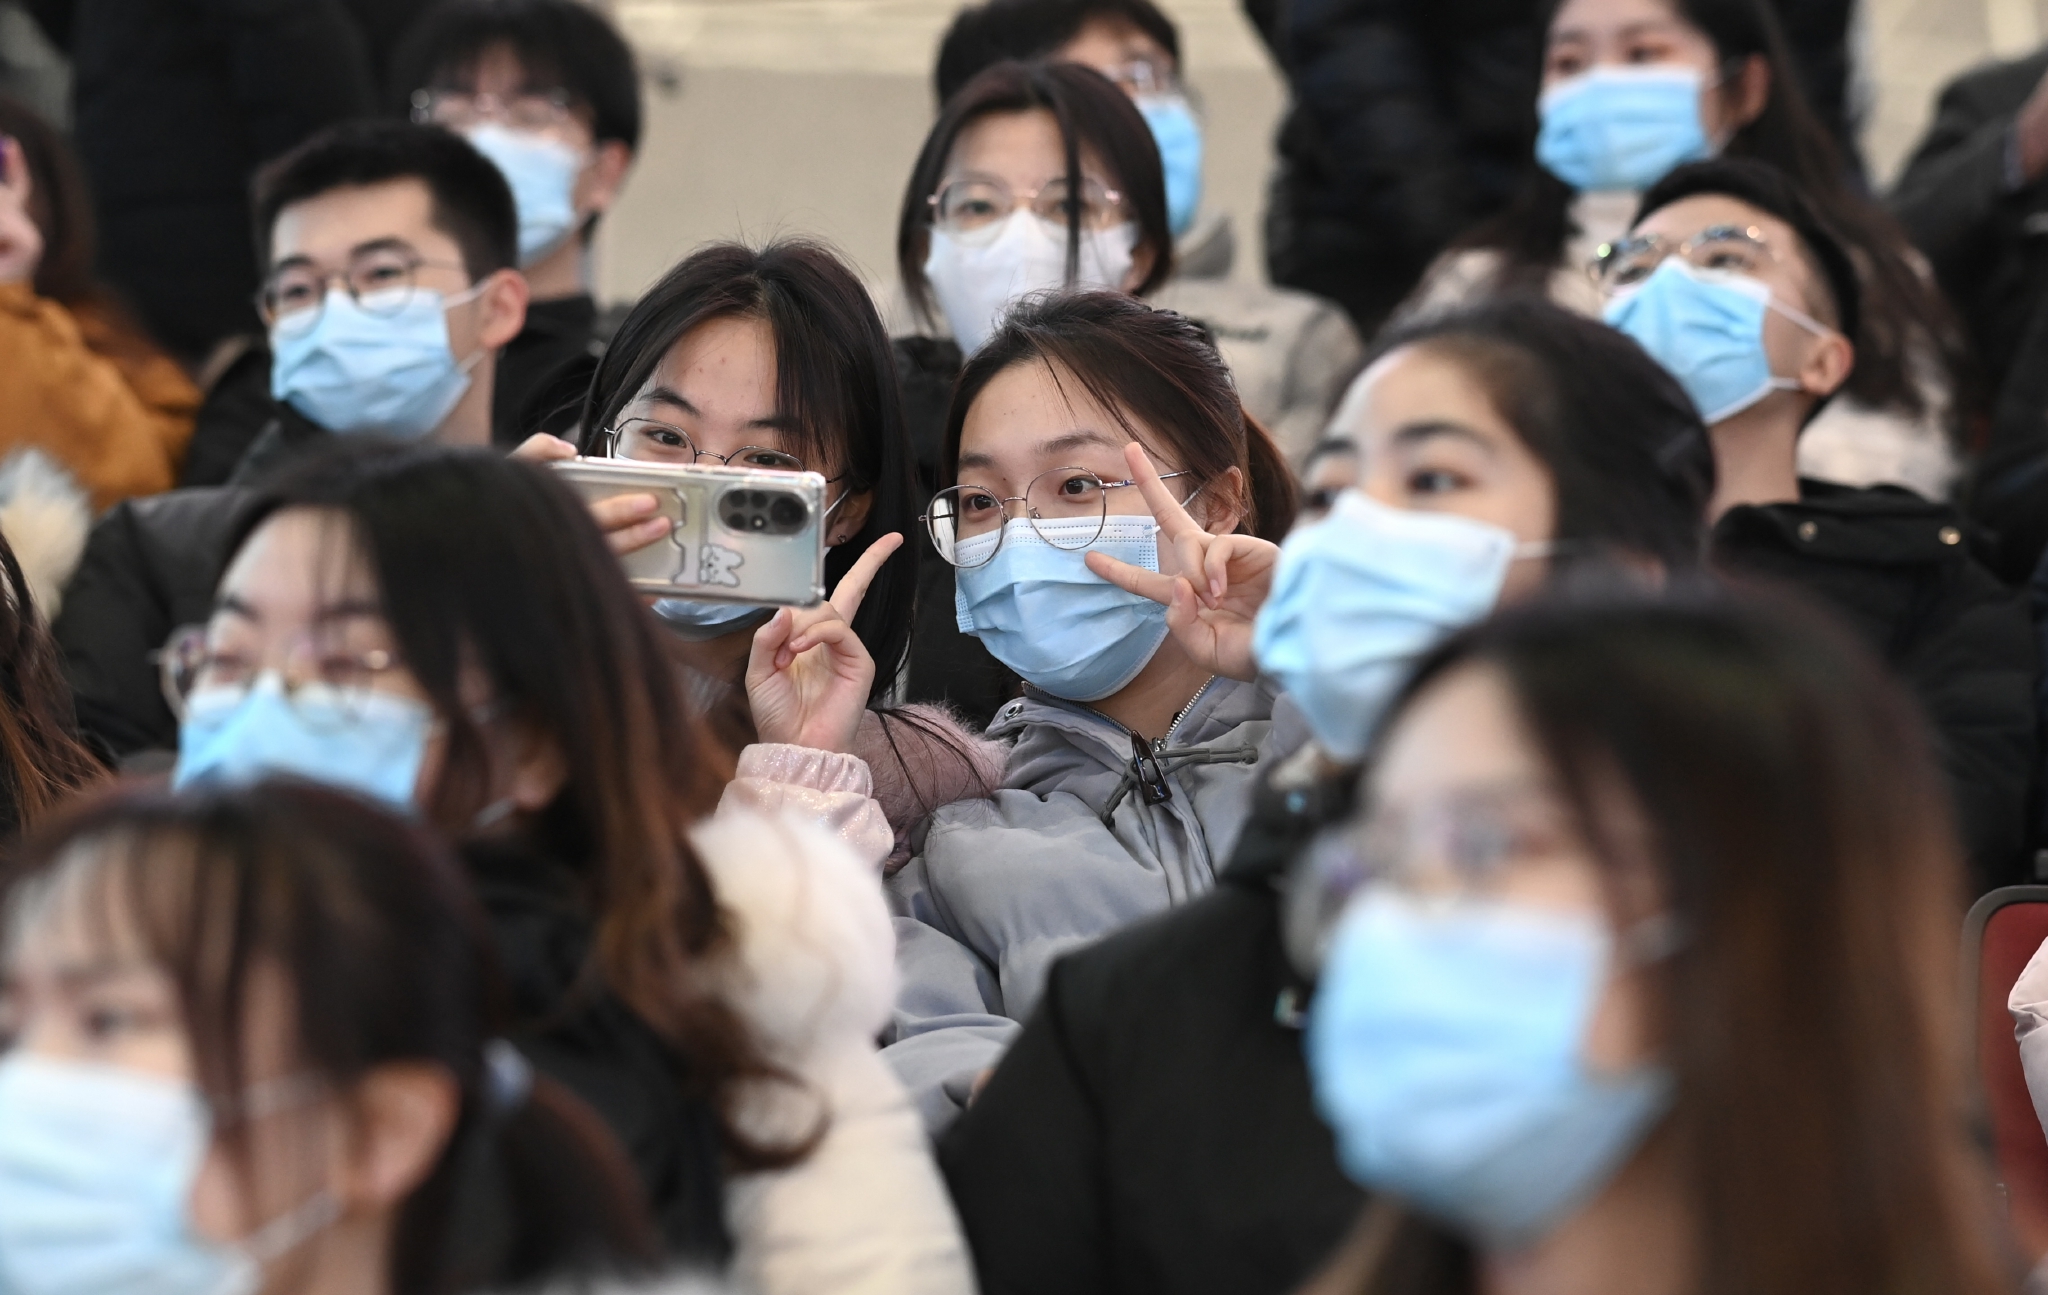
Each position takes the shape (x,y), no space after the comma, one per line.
(345,609)
(1413,434)
(777,422)
(389,243)
(1079,438)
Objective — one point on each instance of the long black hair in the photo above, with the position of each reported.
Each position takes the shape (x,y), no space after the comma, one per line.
(387,960)
(491,565)
(1629,456)
(1906,324)
(1094,117)
(835,379)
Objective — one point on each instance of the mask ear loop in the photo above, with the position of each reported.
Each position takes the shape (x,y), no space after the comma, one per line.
(474,291)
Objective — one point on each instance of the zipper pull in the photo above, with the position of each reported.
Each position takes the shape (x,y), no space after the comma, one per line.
(1151,778)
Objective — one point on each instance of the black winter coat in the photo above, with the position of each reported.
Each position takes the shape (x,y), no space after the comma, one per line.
(176,104)
(586,1039)
(1901,572)
(1988,244)
(1409,124)
(150,565)
(1151,1129)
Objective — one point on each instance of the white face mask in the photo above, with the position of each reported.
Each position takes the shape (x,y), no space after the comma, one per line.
(977,277)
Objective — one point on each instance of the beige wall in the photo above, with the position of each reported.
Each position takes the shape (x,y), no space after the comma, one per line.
(768,117)
(802,116)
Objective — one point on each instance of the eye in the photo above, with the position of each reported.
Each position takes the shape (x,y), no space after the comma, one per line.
(977,503)
(1435,481)
(1644,50)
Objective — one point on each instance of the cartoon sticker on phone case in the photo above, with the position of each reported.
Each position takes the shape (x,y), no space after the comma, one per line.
(719,566)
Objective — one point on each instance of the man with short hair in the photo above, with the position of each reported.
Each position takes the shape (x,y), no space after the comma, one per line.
(548,90)
(389,288)
(1731,282)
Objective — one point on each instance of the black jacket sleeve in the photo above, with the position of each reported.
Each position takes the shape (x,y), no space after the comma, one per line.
(149,566)
(1954,184)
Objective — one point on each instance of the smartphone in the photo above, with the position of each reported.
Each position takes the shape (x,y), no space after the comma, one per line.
(736,534)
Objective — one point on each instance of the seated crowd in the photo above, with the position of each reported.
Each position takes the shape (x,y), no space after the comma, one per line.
(1461,774)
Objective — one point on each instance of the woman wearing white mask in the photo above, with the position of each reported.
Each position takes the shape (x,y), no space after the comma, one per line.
(1036,176)
(1163,1065)
(1130,762)
(447,632)
(1634,88)
(251,1049)
(1641,972)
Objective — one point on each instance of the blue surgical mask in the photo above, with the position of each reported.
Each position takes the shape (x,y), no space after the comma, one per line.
(1359,596)
(1445,1046)
(542,174)
(698,620)
(1622,127)
(96,1172)
(1707,330)
(367,742)
(1040,611)
(1179,136)
(368,370)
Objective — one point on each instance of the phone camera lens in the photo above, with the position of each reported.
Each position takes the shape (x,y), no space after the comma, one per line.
(788,513)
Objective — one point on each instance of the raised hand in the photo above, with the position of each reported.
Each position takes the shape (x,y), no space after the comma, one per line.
(629,522)
(1225,578)
(808,675)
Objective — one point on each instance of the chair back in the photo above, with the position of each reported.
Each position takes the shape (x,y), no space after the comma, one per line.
(2004,930)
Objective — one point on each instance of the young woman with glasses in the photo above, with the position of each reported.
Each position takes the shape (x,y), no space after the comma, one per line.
(774,358)
(1637,971)
(447,632)
(1130,762)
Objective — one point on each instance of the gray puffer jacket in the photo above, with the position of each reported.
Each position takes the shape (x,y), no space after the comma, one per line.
(1083,837)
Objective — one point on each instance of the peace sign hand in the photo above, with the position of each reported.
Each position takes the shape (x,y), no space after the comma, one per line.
(808,674)
(1212,622)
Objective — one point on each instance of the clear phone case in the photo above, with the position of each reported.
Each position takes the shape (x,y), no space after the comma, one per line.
(738,534)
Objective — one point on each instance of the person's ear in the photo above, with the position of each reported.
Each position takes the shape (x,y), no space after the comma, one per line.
(849,517)
(598,185)
(1829,361)
(1220,506)
(501,308)
(539,769)
(403,1115)
(1142,260)
(1746,94)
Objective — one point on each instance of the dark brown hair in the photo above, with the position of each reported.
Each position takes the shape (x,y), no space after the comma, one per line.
(41,759)
(491,564)
(60,204)
(1146,366)
(835,380)
(1905,323)
(386,959)
(1808,860)
(1626,451)
(1094,117)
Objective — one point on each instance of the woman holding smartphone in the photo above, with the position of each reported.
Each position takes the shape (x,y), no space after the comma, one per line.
(774,359)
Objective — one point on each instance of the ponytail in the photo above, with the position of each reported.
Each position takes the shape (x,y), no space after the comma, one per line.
(1272,495)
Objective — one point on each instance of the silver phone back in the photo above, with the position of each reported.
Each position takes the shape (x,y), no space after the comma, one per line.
(738,534)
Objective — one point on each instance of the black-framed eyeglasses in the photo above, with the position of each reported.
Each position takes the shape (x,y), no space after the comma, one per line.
(649,440)
(1067,508)
(381,280)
